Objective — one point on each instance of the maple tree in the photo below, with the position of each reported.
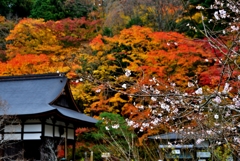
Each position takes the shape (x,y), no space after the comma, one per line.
(36,36)
(145,76)
(159,81)
(5,27)
(27,38)
(30,64)
(210,112)
(61,40)
(131,63)
(47,46)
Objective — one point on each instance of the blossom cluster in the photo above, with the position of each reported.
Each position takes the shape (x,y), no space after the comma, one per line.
(174,107)
(229,12)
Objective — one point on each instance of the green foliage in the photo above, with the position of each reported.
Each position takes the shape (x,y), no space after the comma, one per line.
(183,27)
(222,152)
(75,9)
(192,17)
(113,135)
(22,8)
(5,7)
(134,21)
(59,9)
(48,10)
(109,120)
(19,8)
(5,27)
(107,32)
(79,154)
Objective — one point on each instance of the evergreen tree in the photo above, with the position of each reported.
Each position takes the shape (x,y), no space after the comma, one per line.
(19,8)
(48,10)
(59,9)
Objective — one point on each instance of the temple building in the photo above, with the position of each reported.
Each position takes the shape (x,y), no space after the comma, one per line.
(39,115)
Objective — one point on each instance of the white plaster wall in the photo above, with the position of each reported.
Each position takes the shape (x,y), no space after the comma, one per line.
(70,134)
(35,136)
(12,136)
(12,128)
(33,128)
(48,130)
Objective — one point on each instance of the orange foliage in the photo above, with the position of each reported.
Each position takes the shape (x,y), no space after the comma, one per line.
(61,42)
(82,130)
(28,38)
(147,54)
(60,151)
(97,43)
(64,37)
(165,56)
(27,64)
(159,54)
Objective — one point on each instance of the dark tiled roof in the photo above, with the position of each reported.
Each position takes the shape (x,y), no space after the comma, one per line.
(33,94)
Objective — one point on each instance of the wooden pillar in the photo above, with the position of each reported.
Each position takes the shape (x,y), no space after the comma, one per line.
(22,128)
(43,121)
(43,129)
(53,126)
(66,138)
(22,134)
(53,133)
(2,137)
(74,143)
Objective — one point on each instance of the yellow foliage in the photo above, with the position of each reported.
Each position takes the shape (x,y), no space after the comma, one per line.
(117,98)
(145,12)
(63,69)
(125,18)
(2,18)
(197,17)
(28,39)
(82,92)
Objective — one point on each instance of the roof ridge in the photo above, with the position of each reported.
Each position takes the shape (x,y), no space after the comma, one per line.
(32,76)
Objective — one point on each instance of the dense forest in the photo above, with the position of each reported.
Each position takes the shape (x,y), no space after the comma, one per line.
(145,66)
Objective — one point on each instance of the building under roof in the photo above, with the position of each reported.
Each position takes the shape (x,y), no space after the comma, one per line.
(181,147)
(44,109)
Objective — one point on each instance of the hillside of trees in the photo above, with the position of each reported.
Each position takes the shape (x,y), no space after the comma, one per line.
(155,66)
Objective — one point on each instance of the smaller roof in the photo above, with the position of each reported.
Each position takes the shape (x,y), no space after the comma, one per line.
(178,146)
(168,136)
(75,115)
(203,144)
(175,136)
